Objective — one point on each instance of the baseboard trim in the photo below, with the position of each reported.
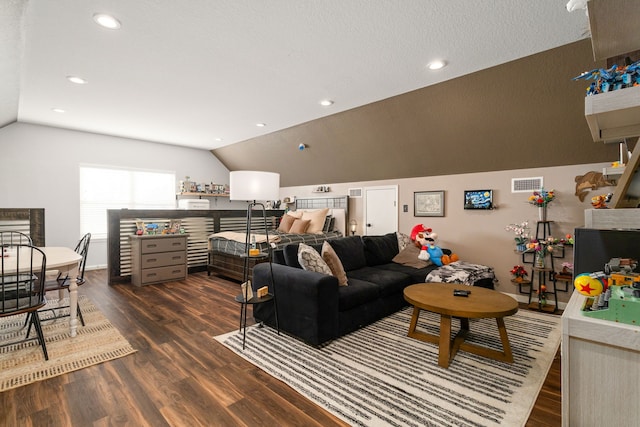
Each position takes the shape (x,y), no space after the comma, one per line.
(525,299)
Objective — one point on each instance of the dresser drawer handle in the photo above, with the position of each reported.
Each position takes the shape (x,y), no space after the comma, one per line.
(177,271)
(177,257)
(152,245)
(151,274)
(151,260)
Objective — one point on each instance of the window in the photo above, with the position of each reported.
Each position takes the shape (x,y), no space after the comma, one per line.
(103,188)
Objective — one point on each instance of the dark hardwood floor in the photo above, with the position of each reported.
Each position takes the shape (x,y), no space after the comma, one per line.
(180,376)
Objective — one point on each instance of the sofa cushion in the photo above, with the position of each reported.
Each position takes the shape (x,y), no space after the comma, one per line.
(350,250)
(332,260)
(290,254)
(409,257)
(418,275)
(387,281)
(359,292)
(403,241)
(380,249)
(311,260)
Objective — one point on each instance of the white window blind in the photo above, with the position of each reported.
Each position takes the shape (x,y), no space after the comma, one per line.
(103,188)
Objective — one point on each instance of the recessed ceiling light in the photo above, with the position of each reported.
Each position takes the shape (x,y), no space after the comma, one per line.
(436,65)
(218,139)
(261,125)
(107,21)
(326,102)
(77,80)
(58,110)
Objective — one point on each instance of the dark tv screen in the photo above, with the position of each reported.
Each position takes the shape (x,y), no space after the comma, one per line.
(594,248)
(478,199)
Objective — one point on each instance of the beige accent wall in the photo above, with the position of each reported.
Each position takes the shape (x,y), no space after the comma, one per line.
(523,114)
(480,236)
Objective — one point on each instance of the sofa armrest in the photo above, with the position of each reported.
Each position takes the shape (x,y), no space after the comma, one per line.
(307,302)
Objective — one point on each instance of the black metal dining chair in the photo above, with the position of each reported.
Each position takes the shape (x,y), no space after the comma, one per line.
(9,238)
(62,282)
(22,291)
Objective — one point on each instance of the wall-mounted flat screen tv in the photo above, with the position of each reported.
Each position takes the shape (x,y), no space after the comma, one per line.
(478,199)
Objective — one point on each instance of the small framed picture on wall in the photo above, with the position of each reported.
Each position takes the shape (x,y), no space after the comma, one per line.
(428,203)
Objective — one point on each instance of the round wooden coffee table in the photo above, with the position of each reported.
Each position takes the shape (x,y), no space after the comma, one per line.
(481,303)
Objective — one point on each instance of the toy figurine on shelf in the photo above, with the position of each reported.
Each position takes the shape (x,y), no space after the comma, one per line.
(613,78)
(600,202)
(152,229)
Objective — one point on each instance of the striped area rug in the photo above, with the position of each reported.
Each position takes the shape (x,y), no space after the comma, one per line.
(377,376)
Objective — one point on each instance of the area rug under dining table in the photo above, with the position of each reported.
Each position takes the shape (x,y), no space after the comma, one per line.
(23,363)
(377,376)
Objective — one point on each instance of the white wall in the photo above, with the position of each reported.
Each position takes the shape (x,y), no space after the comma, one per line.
(39,168)
(480,236)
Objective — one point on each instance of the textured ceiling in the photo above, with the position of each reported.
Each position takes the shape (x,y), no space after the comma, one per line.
(187,72)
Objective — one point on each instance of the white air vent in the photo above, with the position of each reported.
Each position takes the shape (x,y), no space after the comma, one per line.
(355,192)
(526,185)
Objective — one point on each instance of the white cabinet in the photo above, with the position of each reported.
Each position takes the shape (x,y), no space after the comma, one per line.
(600,370)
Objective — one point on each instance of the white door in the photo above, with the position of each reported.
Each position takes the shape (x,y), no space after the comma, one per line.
(381,210)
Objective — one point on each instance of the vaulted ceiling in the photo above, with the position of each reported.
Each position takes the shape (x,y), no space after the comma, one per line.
(203,73)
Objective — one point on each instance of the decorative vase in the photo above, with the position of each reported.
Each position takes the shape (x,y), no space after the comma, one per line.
(521,247)
(542,213)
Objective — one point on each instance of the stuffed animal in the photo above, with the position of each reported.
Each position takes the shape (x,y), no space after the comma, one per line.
(425,239)
(436,255)
(421,235)
(424,254)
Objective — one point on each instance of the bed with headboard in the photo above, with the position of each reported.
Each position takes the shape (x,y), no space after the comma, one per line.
(327,219)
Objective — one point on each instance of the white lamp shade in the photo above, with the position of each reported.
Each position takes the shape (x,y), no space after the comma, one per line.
(254,185)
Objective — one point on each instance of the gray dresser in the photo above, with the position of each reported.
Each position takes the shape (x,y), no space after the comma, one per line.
(158,258)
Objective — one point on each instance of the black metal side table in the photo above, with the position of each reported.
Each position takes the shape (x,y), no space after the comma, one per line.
(245,303)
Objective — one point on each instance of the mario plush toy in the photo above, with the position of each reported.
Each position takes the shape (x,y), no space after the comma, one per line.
(425,239)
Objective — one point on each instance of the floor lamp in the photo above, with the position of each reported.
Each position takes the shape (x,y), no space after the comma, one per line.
(251,186)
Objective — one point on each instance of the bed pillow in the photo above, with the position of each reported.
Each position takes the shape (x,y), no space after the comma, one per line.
(317,219)
(299,226)
(285,223)
(332,260)
(328,223)
(311,260)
